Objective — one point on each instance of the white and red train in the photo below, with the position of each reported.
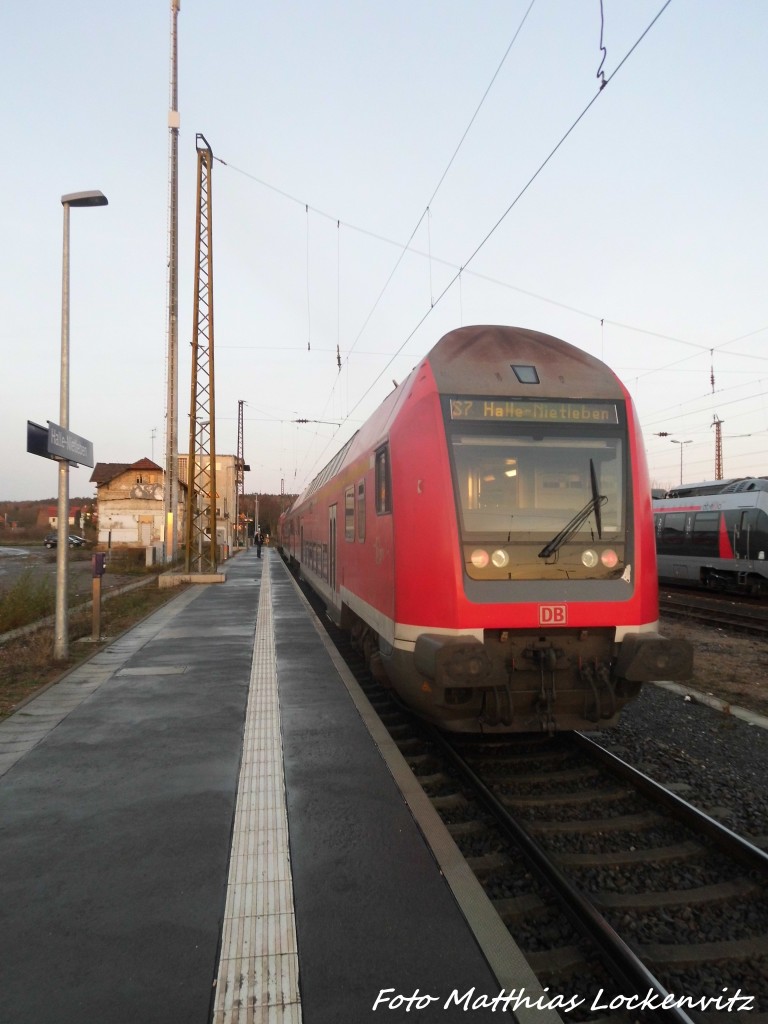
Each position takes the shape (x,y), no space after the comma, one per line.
(715,534)
(487,537)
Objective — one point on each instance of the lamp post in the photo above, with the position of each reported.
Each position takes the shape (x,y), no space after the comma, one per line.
(681,443)
(61,630)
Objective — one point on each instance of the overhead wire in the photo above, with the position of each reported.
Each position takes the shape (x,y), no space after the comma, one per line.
(464,267)
(506,213)
(516,200)
(437,187)
(405,248)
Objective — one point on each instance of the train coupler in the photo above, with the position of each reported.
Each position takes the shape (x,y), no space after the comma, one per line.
(498,707)
(597,679)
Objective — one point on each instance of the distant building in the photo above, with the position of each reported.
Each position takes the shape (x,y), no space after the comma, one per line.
(49,516)
(129,498)
(130,510)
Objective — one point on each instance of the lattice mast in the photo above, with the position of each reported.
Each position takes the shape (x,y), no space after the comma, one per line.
(717,423)
(240,471)
(171,483)
(201,554)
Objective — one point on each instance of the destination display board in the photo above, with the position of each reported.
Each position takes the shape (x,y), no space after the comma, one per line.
(526,410)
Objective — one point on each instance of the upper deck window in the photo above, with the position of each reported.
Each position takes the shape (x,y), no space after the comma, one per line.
(349,513)
(383,481)
(361,511)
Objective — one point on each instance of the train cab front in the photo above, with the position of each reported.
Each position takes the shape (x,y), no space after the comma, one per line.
(562,626)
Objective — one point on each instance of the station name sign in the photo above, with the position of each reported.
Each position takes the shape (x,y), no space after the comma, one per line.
(533,411)
(55,442)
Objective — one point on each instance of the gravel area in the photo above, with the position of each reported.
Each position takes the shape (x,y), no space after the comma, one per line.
(713,760)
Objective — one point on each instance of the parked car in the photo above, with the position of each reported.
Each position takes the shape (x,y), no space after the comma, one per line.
(52,539)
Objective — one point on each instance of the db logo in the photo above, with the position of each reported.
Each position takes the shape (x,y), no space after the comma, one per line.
(552,615)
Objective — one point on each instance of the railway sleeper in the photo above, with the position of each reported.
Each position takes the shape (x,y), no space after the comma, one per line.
(453,802)
(617,858)
(625,823)
(552,964)
(705,894)
(692,955)
(486,863)
(563,776)
(559,799)
(519,908)
(462,829)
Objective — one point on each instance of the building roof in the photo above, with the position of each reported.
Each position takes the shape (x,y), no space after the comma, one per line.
(104,472)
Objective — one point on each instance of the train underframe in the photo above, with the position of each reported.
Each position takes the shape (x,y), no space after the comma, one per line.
(734,581)
(515,680)
(519,681)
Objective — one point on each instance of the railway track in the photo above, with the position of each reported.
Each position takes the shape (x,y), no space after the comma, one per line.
(745,616)
(618,892)
(675,904)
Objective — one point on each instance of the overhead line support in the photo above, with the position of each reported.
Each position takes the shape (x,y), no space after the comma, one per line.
(201,546)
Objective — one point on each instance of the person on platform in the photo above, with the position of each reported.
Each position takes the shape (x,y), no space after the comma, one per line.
(259,538)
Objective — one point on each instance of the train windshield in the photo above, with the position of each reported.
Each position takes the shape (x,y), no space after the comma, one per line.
(540,505)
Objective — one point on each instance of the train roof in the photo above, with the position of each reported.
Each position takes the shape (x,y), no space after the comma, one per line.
(734,485)
(491,360)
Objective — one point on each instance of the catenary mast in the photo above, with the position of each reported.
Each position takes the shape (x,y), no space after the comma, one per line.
(200,529)
(171,488)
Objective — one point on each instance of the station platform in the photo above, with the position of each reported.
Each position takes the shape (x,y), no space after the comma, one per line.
(206,822)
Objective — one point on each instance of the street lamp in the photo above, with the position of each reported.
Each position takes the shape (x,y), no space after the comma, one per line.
(61,632)
(681,443)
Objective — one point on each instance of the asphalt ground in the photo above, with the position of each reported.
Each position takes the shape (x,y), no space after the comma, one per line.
(115,831)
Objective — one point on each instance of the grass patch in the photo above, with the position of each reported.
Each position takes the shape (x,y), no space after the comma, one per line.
(28,599)
(27,664)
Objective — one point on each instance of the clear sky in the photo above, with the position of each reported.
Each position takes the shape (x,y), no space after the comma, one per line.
(644,239)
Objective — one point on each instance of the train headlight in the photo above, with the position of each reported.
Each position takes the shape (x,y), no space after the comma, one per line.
(609,558)
(589,558)
(479,558)
(500,558)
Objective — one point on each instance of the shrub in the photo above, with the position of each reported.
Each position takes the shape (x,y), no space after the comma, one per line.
(28,599)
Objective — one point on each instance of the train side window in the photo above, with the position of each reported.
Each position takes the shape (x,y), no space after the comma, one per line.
(361,511)
(349,513)
(383,481)
(705,530)
(673,530)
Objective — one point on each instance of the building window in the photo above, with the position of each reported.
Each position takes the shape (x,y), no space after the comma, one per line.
(383,483)
(361,511)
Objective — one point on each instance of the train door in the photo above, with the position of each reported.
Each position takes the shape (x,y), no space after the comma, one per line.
(746,543)
(332,547)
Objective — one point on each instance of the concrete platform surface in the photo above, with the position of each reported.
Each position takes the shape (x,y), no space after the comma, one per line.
(196,825)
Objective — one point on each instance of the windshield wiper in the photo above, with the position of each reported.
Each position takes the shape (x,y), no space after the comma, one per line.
(597,500)
(593,505)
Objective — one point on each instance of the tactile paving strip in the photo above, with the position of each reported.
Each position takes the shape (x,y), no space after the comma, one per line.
(258,977)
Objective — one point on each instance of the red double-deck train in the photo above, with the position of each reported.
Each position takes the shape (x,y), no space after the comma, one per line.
(487,537)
